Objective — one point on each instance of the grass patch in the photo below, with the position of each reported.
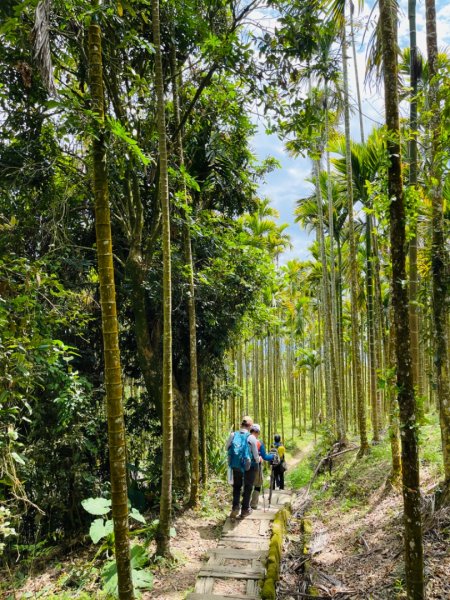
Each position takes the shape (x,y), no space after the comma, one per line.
(430,451)
(301,475)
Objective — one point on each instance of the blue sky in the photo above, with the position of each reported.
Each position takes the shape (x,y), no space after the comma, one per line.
(285,185)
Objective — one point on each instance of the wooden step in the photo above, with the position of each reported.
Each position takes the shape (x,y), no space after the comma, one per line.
(232,535)
(238,554)
(232,572)
(246,544)
(258,515)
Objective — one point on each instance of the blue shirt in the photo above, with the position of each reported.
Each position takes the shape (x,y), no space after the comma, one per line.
(262,452)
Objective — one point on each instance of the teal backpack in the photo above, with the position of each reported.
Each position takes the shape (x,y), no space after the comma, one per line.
(239,456)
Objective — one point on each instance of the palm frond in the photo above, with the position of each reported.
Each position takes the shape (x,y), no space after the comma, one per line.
(374,60)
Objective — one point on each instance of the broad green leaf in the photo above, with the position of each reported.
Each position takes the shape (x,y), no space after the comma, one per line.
(97,530)
(136,515)
(138,556)
(96,506)
(142,579)
(100,529)
(110,579)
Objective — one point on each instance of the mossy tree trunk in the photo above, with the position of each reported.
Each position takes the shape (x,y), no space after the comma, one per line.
(407,406)
(113,373)
(439,257)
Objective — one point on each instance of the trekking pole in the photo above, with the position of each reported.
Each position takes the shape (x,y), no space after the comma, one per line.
(271,484)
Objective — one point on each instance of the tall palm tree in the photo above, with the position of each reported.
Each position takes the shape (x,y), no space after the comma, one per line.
(165,512)
(439,257)
(405,385)
(338,13)
(366,160)
(113,372)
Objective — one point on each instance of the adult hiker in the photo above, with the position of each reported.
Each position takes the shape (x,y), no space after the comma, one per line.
(280,468)
(242,452)
(255,429)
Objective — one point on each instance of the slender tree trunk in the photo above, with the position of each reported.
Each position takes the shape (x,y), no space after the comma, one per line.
(439,258)
(113,372)
(371,333)
(202,419)
(394,431)
(333,300)
(329,337)
(408,422)
(165,512)
(360,400)
(187,250)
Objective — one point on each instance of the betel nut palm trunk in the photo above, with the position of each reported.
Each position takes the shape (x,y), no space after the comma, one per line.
(405,385)
(439,257)
(356,358)
(113,375)
(165,512)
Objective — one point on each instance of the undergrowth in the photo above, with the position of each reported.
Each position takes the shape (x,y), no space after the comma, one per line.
(353,480)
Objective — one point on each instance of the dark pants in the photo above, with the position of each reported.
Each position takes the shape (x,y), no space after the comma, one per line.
(278,477)
(247,479)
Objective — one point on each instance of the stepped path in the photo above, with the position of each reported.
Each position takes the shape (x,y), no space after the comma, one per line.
(236,567)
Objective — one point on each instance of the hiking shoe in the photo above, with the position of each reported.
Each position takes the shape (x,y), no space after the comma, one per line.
(246,513)
(234,513)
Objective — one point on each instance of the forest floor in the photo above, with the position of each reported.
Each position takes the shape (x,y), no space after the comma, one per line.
(356,548)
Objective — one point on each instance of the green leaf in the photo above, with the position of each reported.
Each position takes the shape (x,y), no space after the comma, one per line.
(173,532)
(138,556)
(96,506)
(142,579)
(110,579)
(100,529)
(17,458)
(136,515)
(119,130)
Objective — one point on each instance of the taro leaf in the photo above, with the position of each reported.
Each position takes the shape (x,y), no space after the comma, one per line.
(139,557)
(110,579)
(100,529)
(136,515)
(97,530)
(142,579)
(96,506)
